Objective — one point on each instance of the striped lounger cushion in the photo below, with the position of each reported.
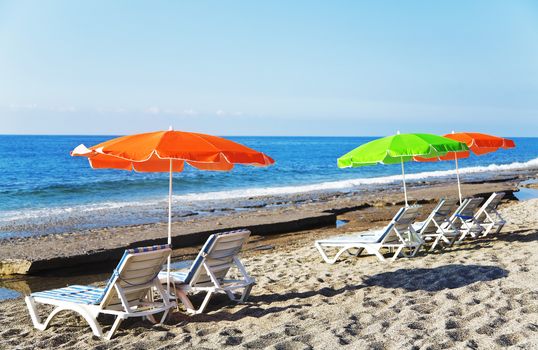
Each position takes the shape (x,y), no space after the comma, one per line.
(76,294)
(87,294)
(179,277)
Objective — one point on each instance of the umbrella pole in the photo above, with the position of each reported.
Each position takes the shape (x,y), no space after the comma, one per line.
(403,178)
(458,175)
(169,230)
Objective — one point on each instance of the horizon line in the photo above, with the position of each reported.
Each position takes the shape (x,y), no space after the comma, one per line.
(224,135)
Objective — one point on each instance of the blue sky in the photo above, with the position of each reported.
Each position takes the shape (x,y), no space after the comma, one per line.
(269,68)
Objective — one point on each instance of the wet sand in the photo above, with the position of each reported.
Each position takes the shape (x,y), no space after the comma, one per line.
(479,295)
(99,249)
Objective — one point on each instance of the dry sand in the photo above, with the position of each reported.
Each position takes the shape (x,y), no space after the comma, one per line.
(480,295)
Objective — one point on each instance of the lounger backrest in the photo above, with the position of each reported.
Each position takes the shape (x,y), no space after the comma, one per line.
(454,217)
(489,205)
(465,211)
(401,222)
(218,254)
(134,276)
(438,215)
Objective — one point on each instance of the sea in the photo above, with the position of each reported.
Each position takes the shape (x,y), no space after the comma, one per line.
(43,190)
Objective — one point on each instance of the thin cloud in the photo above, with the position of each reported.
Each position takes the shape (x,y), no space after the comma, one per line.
(153,110)
(190,111)
(221,112)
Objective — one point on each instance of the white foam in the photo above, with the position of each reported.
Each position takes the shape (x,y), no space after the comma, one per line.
(7,217)
(30,214)
(350,184)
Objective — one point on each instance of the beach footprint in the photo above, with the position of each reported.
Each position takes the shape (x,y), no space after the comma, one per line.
(230,337)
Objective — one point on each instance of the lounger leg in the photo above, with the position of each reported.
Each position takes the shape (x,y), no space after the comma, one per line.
(166,300)
(435,242)
(246,292)
(190,308)
(416,250)
(230,295)
(323,254)
(88,315)
(34,314)
(186,301)
(487,229)
(463,236)
(326,258)
(396,254)
(203,305)
(446,240)
(151,319)
(378,254)
(114,328)
(205,302)
(164,316)
(359,251)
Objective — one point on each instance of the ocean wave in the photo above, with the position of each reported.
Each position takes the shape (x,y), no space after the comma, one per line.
(345,185)
(31,214)
(8,217)
(88,186)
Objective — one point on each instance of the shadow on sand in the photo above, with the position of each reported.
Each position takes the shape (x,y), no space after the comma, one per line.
(427,279)
(528,235)
(259,305)
(436,279)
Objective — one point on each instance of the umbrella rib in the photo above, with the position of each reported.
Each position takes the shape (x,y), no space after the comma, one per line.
(212,145)
(221,153)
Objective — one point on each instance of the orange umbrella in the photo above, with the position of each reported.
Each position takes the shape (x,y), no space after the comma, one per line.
(478,143)
(165,151)
(168,151)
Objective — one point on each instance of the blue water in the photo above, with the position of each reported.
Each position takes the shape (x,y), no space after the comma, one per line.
(6,293)
(43,189)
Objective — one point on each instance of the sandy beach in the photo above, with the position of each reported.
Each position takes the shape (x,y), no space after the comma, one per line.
(148,144)
(478,295)
(100,249)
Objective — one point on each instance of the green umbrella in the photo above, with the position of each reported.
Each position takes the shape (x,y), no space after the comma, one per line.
(400,148)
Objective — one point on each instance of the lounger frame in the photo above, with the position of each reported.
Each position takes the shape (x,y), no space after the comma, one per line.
(488,216)
(397,237)
(207,273)
(465,221)
(129,293)
(437,226)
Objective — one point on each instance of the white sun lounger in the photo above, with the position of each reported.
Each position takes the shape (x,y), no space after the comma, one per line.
(128,293)
(397,236)
(436,227)
(488,216)
(207,273)
(464,220)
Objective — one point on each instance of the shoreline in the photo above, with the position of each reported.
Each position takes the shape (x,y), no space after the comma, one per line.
(107,214)
(480,294)
(100,248)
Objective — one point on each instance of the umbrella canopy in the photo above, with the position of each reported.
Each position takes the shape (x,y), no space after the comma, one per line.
(168,151)
(400,148)
(161,150)
(477,142)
